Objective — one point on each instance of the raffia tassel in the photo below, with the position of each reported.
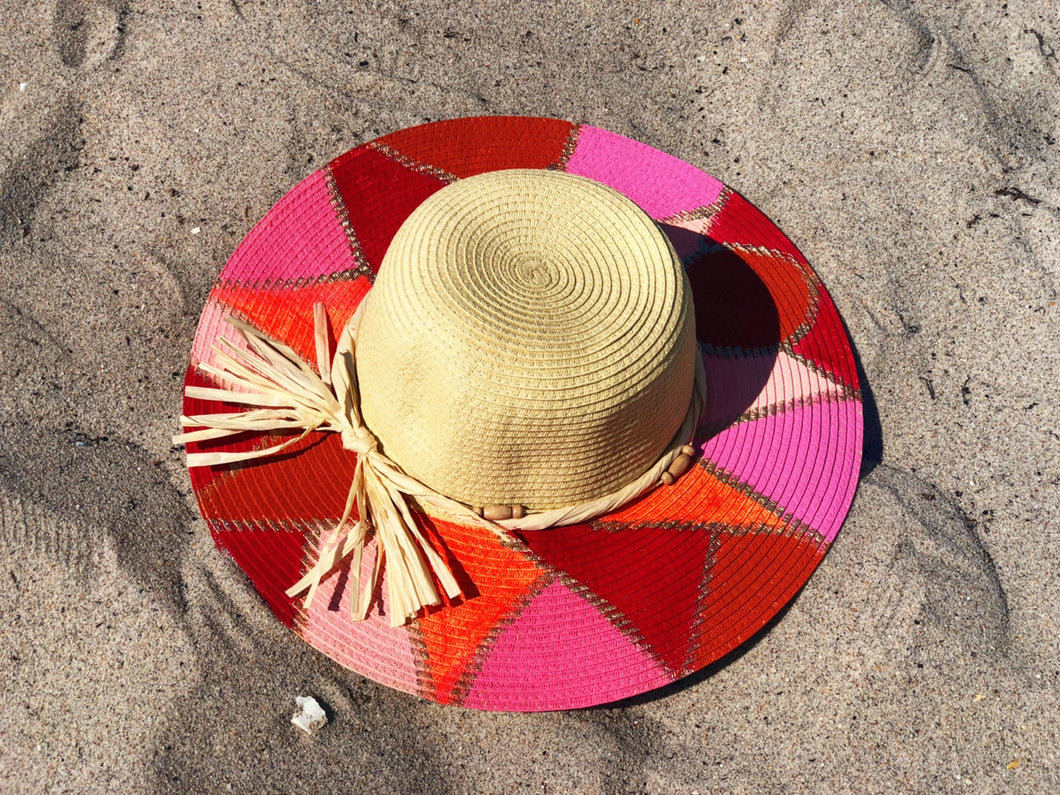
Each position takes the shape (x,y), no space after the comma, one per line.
(289,395)
(408,557)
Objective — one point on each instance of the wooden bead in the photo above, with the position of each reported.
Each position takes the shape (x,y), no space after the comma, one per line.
(689,450)
(667,479)
(518,511)
(496,513)
(680,465)
(476,509)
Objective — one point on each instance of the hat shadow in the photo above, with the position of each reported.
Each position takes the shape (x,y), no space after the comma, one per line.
(738,321)
(872,438)
(737,324)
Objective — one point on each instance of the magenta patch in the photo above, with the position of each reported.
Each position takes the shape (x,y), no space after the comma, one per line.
(561,653)
(805,460)
(298,239)
(659,183)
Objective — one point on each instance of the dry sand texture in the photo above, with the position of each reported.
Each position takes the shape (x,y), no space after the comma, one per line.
(912,150)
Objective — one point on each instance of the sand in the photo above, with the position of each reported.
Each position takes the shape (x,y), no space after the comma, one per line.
(911,150)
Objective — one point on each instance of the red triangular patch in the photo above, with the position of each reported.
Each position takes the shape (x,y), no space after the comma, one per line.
(657,593)
(827,344)
(272,558)
(465,147)
(201,476)
(741,223)
(379,194)
(753,577)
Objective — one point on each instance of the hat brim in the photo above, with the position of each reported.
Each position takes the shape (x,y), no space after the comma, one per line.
(570,616)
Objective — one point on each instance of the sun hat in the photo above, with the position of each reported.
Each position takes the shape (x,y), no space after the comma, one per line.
(520,414)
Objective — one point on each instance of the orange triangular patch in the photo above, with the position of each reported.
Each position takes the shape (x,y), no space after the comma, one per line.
(286,313)
(698,498)
(792,288)
(495,580)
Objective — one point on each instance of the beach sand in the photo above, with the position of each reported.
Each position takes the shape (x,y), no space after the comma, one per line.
(910,150)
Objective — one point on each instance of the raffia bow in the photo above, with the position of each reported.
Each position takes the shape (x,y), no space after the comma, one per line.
(287,394)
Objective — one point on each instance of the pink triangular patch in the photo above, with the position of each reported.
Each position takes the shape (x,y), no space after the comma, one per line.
(211,326)
(659,183)
(805,460)
(298,239)
(561,653)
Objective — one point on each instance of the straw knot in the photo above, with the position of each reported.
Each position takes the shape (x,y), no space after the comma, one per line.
(358,440)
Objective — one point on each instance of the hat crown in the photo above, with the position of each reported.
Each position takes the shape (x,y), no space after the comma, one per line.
(529,340)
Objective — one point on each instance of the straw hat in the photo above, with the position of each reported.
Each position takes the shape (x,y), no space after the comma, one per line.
(521,415)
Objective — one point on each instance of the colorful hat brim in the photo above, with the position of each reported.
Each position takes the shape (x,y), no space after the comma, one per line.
(571,616)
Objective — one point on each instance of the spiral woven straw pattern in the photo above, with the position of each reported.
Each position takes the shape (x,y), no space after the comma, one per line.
(529,340)
(580,614)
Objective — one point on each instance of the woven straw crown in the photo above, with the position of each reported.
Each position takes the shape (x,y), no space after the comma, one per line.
(529,340)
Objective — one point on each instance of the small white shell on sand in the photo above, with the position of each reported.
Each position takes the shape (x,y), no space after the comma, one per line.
(310,716)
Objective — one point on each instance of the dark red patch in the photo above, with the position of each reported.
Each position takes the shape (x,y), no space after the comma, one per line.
(741,223)
(658,594)
(465,147)
(827,345)
(202,476)
(379,194)
(271,557)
